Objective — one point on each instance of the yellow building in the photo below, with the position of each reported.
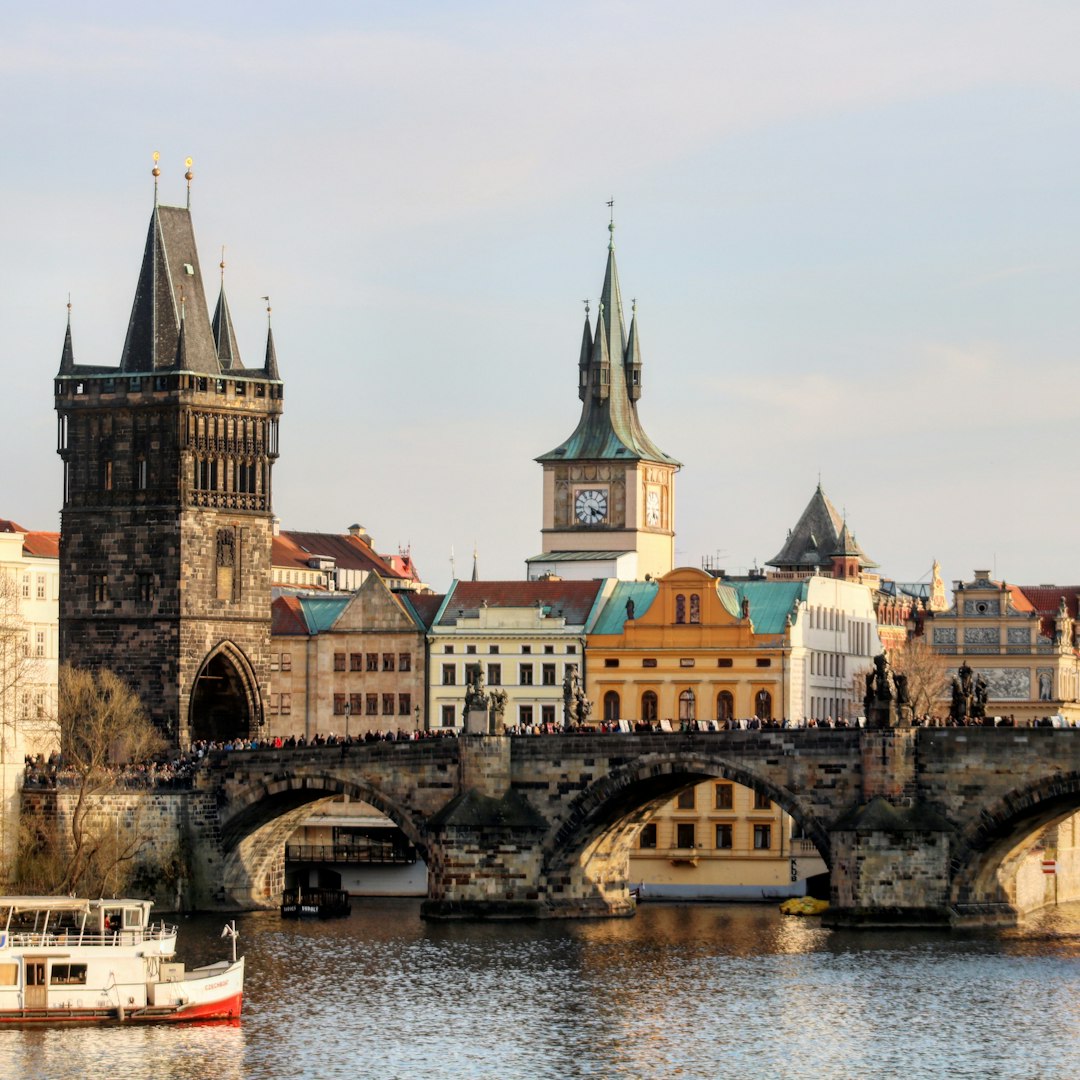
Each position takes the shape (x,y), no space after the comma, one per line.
(691,650)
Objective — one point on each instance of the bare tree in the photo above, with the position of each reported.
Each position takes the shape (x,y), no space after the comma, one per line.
(102,727)
(926,673)
(17,668)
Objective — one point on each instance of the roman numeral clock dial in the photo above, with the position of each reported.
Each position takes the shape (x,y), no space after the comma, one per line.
(591,506)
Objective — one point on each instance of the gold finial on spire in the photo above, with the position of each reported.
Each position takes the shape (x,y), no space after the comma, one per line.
(611,223)
(156,172)
(586,303)
(69,309)
(267,299)
(222,264)
(188,176)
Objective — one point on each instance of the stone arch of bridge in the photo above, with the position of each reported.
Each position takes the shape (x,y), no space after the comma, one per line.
(593,839)
(263,815)
(987,853)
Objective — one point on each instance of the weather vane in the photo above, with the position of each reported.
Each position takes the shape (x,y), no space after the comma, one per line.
(188,176)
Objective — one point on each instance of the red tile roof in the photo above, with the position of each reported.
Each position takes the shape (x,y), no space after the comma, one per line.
(287,616)
(294,549)
(42,545)
(573,600)
(1046,600)
(10,526)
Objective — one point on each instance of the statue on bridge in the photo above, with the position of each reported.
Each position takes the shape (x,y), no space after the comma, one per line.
(887,701)
(477,702)
(969,695)
(576,706)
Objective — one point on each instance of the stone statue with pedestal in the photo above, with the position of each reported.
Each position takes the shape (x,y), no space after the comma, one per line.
(886,703)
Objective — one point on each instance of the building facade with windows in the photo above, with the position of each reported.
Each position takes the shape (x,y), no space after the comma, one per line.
(348,664)
(29,644)
(1023,641)
(523,637)
(721,840)
(335,562)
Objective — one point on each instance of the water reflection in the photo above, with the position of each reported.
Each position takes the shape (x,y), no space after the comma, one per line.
(683,991)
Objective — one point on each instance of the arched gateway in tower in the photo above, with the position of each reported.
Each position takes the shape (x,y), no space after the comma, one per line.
(609,490)
(166,534)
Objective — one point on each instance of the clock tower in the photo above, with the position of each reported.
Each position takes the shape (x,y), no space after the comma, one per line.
(609,491)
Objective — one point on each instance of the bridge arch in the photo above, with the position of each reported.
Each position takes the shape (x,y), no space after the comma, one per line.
(265,813)
(987,853)
(588,849)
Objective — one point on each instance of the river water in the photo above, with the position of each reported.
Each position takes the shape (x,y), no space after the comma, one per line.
(678,991)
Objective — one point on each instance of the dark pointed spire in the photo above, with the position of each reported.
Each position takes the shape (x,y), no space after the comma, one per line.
(270,368)
(67,357)
(170,264)
(228,352)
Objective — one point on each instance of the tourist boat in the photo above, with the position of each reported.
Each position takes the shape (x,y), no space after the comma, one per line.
(314,903)
(69,960)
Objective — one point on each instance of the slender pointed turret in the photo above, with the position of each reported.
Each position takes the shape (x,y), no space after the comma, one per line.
(228,352)
(270,368)
(583,359)
(67,357)
(632,365)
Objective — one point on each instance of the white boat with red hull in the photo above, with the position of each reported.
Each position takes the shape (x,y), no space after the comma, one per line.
(66,960)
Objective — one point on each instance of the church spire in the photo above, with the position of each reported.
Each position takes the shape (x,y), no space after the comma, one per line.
(609,384)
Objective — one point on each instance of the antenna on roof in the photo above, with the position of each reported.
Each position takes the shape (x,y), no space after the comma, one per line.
(188,176)
(156,172)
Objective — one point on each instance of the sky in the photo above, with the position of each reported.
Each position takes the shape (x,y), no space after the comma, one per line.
(851,230)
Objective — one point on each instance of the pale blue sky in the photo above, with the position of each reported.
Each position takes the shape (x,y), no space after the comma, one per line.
(851,229)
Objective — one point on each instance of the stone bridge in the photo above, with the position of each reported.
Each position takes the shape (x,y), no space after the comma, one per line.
(920,826)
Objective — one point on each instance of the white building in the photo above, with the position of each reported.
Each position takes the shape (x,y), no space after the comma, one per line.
(29,648)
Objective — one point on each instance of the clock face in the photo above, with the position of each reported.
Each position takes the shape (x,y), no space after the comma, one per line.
(652,508)
(591,506)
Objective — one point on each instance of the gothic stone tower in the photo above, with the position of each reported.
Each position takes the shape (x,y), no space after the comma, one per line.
(166,524)
(609,491)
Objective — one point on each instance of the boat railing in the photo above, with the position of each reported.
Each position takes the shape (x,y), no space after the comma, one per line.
(34,939)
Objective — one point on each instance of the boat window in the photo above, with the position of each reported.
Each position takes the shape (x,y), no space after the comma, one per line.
(9,974)
(132,918)
(68,975)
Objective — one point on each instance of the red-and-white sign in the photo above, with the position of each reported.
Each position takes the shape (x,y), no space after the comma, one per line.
(1049,866)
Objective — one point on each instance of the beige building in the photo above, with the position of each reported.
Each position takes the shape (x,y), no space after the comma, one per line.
(348,664)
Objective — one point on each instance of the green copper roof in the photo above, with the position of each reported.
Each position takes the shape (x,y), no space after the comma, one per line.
(611,619)
(771,602)
(609,386)
(321,612)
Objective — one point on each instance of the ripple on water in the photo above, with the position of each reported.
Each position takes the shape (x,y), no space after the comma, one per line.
(678,991)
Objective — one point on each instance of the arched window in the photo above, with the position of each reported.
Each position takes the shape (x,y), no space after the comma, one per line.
(695,608)
(649,710)
(611,706)
(725,705)
(680,608)
(763,705)
(686,705)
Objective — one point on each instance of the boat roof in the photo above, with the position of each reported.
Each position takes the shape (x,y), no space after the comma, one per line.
(64,903)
